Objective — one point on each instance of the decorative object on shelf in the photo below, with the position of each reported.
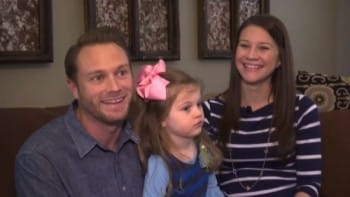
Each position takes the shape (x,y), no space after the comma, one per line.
(218,22)
(25,31)
(151,28)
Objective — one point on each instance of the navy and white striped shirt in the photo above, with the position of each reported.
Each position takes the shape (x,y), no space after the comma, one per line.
(301,172)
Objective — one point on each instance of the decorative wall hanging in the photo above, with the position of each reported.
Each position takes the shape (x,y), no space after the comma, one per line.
(150,27)
(25,31)
(218,22)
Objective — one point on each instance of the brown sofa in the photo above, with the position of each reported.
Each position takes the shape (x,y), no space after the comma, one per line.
(18,123)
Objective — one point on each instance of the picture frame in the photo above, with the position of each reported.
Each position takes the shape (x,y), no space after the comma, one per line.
(26,32)
(150,28)
(218,20)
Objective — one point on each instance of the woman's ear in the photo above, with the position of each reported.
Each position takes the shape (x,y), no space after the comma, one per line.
(278,63)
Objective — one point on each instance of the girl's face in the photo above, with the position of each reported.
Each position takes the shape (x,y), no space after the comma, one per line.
(256,56)
(185,118)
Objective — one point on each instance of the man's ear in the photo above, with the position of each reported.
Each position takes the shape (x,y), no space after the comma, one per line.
(73,88)
(163,124)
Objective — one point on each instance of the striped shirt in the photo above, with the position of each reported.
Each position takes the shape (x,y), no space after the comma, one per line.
(244,159)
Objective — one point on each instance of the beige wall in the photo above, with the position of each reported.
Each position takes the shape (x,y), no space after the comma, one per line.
(311,24)
(343,32)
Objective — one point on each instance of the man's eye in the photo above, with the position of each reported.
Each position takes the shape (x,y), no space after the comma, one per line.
(96,78)
(122,72)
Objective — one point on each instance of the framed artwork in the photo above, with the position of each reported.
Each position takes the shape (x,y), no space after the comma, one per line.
(25,31)
(218,20)
(150,27)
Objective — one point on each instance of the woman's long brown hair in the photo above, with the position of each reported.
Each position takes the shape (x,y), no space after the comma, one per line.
(282,83)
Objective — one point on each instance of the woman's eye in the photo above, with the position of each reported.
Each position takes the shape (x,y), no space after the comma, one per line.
(263,48)
(243,45)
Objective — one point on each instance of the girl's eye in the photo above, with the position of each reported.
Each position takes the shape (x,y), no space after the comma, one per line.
(186,108)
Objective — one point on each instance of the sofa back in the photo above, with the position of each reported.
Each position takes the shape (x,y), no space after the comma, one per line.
(335,127)
(16,124)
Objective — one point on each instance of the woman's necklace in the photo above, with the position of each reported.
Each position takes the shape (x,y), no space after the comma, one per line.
(235,172)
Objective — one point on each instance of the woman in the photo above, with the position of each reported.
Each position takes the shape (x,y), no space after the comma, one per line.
(270,136)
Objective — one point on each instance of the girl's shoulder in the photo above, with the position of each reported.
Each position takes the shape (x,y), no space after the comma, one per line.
(156,160)
(157,177)
(157,167)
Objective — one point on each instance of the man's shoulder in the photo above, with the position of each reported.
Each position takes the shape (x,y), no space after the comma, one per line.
(50,136)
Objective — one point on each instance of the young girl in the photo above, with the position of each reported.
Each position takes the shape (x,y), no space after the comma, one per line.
(180,159)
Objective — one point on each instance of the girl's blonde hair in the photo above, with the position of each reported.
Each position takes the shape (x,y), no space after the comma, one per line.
(153,139)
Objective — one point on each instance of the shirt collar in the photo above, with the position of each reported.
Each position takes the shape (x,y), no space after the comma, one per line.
(84,142)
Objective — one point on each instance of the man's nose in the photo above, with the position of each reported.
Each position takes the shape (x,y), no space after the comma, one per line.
(113,83)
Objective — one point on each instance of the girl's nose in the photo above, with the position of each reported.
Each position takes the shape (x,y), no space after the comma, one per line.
(199,111)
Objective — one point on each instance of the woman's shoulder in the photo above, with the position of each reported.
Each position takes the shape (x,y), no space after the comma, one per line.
(306,106)
(304,101)
(213,100)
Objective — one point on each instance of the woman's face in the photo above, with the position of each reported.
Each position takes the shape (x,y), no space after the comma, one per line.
(256,56)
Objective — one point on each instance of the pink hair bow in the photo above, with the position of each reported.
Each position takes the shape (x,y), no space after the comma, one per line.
(150,85)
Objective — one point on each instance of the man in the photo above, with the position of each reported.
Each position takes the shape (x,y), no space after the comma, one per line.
(91,150)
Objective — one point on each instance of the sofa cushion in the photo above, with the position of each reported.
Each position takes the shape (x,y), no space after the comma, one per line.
(16,124)
(329,92)
(336,153)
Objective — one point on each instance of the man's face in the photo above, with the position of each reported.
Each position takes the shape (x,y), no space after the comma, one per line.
(103,85)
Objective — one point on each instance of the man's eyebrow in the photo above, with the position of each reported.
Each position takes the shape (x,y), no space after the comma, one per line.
(93,72)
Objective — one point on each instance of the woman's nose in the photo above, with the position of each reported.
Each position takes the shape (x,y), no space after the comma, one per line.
(252,53)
